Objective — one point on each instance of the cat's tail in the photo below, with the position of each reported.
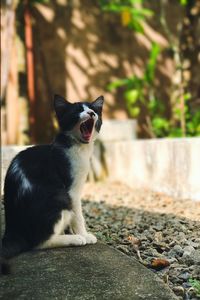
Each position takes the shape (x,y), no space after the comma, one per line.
(5,266)
(10,248)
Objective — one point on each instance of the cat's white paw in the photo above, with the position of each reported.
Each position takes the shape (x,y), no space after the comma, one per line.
(79,240)
(90,238)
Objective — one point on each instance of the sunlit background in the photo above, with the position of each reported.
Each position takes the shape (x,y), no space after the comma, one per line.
(143,56)
(143,193)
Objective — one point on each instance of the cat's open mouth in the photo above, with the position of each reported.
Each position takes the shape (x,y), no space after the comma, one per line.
(86,128)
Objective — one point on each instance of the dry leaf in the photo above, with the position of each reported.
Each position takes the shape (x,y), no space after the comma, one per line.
(159,263)
(125,17)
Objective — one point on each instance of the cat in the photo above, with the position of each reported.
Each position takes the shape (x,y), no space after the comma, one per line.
(43,184)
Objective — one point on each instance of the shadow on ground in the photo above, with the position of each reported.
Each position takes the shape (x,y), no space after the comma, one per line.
(157,236)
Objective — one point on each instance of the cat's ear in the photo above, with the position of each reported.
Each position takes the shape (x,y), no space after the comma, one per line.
(60,105)
(98,104)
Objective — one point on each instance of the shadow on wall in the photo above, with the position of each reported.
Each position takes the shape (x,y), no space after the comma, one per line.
(79,50)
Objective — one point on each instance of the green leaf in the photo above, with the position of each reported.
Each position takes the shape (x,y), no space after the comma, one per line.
(187,97)
(160,123)
(131,96)
(141,13)
(155,106)
(118,83)
(160,126)
(151,65)
(136,26)
(193,123)
(134,111)
(196,118)
(40,1)
(183,2)
(131,82)
(137,12)
(177,112)
(175,132)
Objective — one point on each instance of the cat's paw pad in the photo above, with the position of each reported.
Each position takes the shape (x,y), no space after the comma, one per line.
(79,240)
(90,238)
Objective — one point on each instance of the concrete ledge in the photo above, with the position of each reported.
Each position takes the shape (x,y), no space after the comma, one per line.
(86,273)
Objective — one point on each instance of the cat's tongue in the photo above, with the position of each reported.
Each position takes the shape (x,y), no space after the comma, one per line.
(86,137)
(86,129)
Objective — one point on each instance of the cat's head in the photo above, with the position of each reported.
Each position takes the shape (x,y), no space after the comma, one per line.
(82,120)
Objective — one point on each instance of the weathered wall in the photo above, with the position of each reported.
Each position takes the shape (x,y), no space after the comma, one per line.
(170,166)
(79,50)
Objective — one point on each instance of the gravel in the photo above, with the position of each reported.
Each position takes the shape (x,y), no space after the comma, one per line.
(161,232)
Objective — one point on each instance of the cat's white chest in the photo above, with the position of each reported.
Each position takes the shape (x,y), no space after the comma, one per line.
(80,163)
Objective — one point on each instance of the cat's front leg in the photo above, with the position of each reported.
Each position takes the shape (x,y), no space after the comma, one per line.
(78,225)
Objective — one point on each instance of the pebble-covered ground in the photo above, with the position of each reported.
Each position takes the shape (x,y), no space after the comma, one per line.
(161,232)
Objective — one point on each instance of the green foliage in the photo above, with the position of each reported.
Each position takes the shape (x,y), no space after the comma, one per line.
(151,65)
(132,12)
(193,123)
(196,285)
(183,2)
(192,119)
(140,93)
(39,1)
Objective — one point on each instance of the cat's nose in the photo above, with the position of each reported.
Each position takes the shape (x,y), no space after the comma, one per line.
(91,114)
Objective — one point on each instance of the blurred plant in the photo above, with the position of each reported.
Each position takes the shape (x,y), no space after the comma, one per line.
(140,92)
(192,120)
(186,121)
(132,12)
(183,2)
(39,1)
(196,285)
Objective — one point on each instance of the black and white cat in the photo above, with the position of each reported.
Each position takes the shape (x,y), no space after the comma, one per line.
(43,185)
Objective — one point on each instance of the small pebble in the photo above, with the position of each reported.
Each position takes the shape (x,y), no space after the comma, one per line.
(179,290)
(184,276)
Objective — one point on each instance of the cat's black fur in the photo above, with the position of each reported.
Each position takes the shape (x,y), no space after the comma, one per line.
(38,181)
